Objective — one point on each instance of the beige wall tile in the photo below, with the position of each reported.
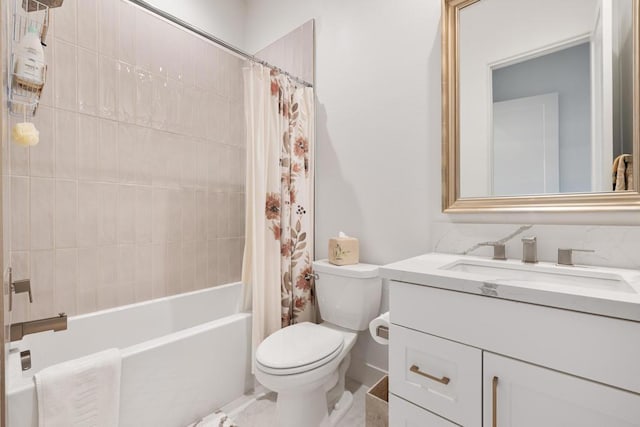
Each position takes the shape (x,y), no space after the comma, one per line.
(135,190)
(88,24)
(66,266)
(108,214)
(87,147)
(42,283)
(42,156)
(126,205)
(88,211)
(107,27)
(126,32)
(65,64)
(42,206)
(108,69)
(66,211)
(66,144)
(20,216)
(87,81)
(108,151)
(65,21)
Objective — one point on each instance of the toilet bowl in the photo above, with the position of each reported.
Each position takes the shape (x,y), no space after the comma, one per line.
(305,364)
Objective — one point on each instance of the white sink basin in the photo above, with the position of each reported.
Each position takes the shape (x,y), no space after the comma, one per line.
(532,274)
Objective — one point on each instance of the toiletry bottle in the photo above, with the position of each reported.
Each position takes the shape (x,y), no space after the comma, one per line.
(29,62)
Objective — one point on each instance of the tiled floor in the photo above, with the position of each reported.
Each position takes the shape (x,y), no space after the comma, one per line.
(262,411)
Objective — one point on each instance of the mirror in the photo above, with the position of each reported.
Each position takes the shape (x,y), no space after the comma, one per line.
(538,104)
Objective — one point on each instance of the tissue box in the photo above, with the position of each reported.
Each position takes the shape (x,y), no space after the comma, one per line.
(344,251)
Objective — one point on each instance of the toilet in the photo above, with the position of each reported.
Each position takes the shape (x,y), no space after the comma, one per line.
(306,363)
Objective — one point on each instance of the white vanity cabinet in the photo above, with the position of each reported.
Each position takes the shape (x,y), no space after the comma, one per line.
(464,358)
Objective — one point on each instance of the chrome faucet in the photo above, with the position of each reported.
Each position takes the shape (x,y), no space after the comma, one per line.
(529,250)
(19,330)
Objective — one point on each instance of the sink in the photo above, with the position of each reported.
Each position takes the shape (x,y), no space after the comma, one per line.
(531,274)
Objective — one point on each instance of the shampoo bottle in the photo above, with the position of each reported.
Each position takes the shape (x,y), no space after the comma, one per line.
(29,62)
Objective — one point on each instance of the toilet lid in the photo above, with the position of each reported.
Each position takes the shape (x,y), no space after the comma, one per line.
(299,348)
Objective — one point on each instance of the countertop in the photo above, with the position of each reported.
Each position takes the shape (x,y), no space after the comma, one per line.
(427,270)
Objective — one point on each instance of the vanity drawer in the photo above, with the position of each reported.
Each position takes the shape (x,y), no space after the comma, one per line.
(405,414)
(440,375)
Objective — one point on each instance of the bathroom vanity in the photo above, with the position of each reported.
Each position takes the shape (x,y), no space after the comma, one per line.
(477,342)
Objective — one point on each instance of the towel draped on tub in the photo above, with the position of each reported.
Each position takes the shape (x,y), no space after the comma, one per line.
(81,392)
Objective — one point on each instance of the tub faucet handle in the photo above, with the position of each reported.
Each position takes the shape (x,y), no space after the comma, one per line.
(18,287)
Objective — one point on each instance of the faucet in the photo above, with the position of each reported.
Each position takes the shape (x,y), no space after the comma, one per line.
(565,255)
(19,330)
(499,250)
(529,250)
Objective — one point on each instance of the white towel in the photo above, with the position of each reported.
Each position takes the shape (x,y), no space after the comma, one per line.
(80,392)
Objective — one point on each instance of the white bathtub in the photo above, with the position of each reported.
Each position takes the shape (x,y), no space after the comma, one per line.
(182,357)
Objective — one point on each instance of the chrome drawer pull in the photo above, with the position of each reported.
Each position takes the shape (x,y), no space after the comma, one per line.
(416,370)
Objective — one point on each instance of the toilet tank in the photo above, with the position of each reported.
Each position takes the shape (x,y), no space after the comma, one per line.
(348,295)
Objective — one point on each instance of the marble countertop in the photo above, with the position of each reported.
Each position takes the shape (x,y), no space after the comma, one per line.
(430,270)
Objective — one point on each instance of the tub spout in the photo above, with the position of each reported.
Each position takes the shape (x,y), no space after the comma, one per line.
(19,330)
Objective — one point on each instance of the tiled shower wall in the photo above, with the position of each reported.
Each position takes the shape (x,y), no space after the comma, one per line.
(136,189)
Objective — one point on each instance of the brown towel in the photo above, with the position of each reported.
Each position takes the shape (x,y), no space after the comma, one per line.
(623,173)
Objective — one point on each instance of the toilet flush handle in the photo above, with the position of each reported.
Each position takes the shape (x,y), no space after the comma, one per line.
(310,276)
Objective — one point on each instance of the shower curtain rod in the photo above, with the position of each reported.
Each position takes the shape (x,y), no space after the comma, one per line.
(216,40)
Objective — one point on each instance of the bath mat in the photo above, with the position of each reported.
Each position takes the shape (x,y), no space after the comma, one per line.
(218,419)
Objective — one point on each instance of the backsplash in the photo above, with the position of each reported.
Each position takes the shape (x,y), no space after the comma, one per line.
(614,246)
(136,189)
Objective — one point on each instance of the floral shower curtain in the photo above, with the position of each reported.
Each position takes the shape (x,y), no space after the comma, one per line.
(277,269)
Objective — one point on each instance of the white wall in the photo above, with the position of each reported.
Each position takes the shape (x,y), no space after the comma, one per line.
(378,119)
(224,19)
(519,23)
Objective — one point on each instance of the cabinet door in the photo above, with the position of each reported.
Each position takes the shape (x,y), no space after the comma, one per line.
(405,414)
(522,395)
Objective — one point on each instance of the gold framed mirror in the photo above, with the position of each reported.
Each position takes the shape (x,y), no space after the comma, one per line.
(540,105)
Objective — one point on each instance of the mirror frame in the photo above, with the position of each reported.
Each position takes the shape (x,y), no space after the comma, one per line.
(451,200)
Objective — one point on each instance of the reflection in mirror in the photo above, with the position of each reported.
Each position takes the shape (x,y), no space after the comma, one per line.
(545,97)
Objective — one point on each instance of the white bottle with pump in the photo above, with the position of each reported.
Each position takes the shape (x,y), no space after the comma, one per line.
(29,63)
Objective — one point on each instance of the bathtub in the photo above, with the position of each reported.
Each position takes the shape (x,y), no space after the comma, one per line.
(182,357)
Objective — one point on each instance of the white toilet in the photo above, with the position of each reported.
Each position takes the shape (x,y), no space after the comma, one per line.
(306,363)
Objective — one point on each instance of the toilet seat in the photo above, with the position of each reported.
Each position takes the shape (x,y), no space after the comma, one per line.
(298,348)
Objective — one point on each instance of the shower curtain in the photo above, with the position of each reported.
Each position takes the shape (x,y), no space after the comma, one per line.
(278,255)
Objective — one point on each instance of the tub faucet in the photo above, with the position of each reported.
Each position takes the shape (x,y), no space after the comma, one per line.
(529,250)
(19,330)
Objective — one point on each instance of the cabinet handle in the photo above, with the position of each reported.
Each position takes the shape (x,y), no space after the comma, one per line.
(416,370)
(494,403)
